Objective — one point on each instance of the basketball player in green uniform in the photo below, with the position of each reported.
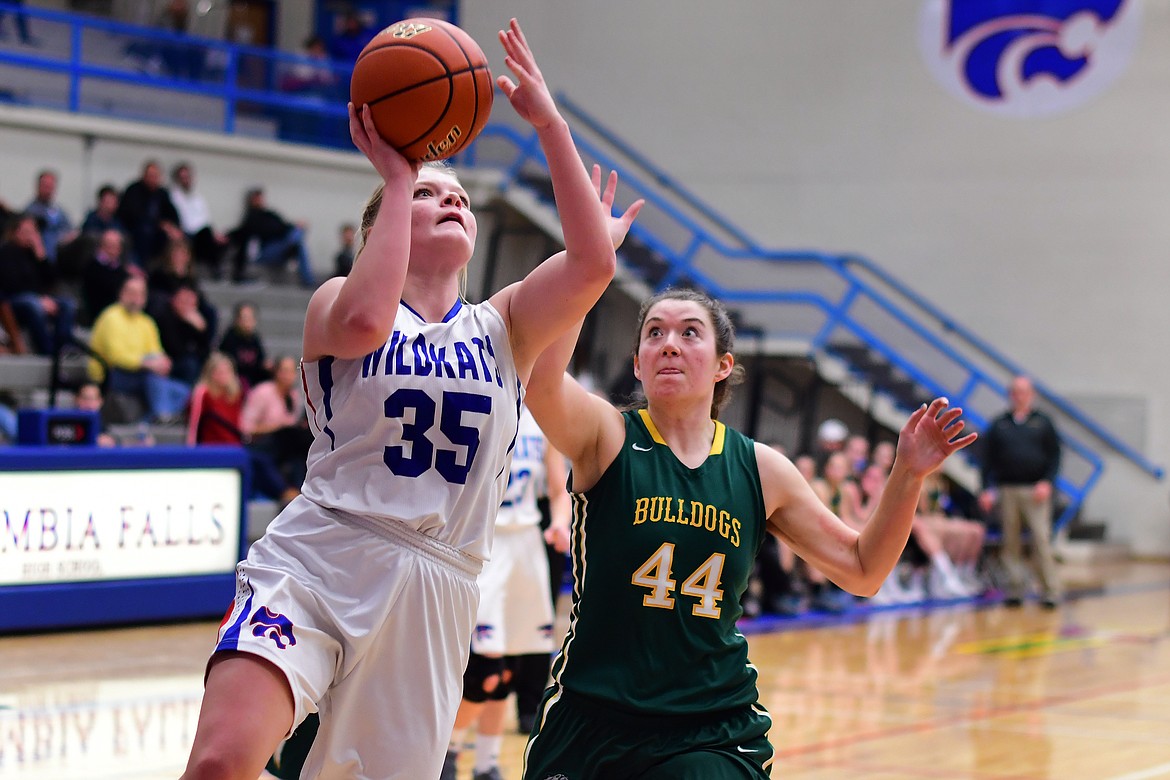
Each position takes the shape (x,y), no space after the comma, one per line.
(670,507)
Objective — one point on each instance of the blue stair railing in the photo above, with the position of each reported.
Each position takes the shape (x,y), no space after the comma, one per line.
(825,304)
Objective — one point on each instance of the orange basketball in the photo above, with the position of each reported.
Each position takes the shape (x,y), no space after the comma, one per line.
(428,86)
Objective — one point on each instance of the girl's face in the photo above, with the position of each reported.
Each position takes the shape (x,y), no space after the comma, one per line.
(222,373)
(441,218)
(246,319)
(286,372)
(676,352)
(836,468)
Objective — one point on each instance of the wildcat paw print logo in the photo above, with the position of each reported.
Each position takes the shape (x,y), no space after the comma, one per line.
(276,627)
(1028,58)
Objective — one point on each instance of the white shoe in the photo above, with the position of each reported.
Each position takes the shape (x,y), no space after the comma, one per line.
(944,585)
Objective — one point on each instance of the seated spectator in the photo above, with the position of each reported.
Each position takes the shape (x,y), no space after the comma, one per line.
(276,239)
(274,420)
(185,335)
(149,216)
(21,23)
(53,223)
(104,215)
(313,74)
(242,344)
(343,260)
(127,341)
(26,284)
(942,578)
(857,453)
(842,495)
(103,275)
(207,244)
(172,271)
(348,43)
(89,399)
(216,403)
(961,538)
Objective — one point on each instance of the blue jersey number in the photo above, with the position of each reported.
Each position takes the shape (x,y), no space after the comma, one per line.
(422,454)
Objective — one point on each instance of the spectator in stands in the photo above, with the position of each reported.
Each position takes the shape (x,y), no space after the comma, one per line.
(343,260)
(276,238)
(216,403)
(149,215)
(127,341)
(53,223)
(185,335)
(207,244)
(243,345)
(104,215)
(26,285)
(883,455)
(89,399)
(274,420)
(103,275)
(348,43)
(21,21)
(1021,458)
(172,271)
(839,491)
(831,436)
(857,454)
(313,75)
(961,538)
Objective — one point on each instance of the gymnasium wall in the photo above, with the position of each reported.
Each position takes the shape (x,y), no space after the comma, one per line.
(820,125)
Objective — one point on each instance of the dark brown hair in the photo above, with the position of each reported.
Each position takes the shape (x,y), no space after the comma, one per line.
(724,331)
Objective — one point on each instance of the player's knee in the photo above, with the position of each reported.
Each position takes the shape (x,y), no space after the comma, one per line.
(483,678)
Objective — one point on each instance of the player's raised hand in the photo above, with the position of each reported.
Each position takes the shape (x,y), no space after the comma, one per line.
(930,436)
(385,158)
(618,226)
(529,94)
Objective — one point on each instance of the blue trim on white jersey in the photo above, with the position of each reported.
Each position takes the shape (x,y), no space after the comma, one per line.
(325,378)
(450,315)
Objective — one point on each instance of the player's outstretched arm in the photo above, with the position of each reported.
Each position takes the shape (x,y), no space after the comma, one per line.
(348,317)
(860,561)
(562,289)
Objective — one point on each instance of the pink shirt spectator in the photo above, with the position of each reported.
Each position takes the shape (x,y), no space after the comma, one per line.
(266,409)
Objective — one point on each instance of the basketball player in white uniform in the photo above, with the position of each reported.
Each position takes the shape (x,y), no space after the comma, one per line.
(515,615)
(360,600)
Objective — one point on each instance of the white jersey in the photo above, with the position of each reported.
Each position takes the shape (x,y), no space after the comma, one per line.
(527,477)
(421,430)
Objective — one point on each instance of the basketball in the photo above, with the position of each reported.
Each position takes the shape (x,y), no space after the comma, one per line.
(428,86)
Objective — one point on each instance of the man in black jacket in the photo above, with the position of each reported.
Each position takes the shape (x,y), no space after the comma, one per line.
(26,282)
(276,239)
(1021,458)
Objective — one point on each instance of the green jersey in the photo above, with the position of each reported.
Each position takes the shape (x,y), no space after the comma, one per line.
(661,555)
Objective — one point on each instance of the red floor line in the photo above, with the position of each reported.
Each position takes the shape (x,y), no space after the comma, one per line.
(969,716)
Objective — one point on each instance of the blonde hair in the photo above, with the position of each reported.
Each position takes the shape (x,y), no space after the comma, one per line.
(374,205)
(232,391)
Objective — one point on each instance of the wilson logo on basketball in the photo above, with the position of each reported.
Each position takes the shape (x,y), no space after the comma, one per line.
(408,31)
(437,150)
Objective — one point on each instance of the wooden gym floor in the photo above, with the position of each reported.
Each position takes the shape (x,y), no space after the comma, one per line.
(962,691)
